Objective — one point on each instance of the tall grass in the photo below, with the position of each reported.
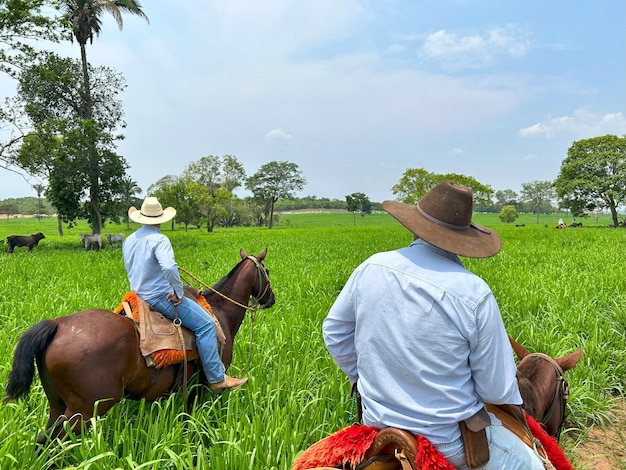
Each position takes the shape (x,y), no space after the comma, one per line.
(558,290)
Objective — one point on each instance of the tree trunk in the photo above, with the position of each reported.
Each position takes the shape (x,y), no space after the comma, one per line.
(614,215)
(271,224)
(59,225)
(87,113)
(86,108)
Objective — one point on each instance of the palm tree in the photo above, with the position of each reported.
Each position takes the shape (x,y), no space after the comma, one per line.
(84,18)
(129,188)
(39,189)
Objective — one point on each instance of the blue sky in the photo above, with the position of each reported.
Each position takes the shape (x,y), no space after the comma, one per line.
(355,92)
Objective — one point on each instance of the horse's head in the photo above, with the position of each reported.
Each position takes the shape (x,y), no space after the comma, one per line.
(264,295)
(543,386)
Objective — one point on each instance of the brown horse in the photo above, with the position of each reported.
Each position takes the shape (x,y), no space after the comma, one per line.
(91,359)
(543,386)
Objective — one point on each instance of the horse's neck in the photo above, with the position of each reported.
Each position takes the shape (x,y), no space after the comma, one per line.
(230,307)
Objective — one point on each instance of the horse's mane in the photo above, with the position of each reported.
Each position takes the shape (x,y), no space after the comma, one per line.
(530,384)
(528,393)
(219,284)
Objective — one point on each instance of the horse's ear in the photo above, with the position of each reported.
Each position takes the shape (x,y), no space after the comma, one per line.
(242,253)
(261,256)
(520,350)
(568,362)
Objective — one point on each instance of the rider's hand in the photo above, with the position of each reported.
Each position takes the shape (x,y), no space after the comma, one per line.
(172,297)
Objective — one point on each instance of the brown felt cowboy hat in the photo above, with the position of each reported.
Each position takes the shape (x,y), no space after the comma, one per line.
(151,213)
(443,217)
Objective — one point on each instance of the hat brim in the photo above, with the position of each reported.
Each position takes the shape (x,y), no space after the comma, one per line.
(472,242)
(136,216)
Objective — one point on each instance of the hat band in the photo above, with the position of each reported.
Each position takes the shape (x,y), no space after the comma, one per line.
(146,215)
(452,226)
(441,222)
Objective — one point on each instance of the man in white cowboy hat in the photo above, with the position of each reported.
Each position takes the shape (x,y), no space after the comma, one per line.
(423,339)
(153,275)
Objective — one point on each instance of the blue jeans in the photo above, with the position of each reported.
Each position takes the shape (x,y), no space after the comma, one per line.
(506,451)
(195,318)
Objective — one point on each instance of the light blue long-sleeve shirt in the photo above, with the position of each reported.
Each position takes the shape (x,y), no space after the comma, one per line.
(150,264)
(425,339)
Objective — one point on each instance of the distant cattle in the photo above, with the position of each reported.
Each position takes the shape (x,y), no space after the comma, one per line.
(115,238)
(92,242)
(576,224)
(30,241)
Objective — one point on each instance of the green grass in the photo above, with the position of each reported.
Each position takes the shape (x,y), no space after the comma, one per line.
(558,290)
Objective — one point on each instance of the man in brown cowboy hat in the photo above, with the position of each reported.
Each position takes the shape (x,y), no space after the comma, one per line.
(153,275)
(423,338)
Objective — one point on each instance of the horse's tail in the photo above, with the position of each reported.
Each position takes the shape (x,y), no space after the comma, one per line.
(32,344)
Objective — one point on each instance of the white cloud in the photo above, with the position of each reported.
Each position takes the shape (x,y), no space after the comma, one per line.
(278,136)
(475,51)
(456,151)
(583,124)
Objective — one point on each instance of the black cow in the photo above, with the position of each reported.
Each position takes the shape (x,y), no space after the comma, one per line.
(30,241)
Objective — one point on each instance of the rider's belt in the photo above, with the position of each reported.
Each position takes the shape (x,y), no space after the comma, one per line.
(475,438)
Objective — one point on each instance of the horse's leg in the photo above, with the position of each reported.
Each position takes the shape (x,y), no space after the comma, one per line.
(86,368)
(56,404)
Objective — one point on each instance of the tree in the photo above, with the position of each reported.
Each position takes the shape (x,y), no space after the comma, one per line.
(8,208)
(506,197)
(173,191)
(219,177)
(21,23)
(39,189)
(508,214)
(84,17)
(74,153)
(593,175)
(274,181)
(358,202)
(415,182)
(538,195)
(129,189)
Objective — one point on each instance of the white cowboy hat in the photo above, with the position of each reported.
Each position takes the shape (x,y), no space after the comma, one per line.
(443,218)
(151,212)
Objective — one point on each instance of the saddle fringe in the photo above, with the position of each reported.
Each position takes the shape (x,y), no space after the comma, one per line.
(163,357)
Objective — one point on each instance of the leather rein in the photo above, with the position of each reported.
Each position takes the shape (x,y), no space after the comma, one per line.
(263,276)
(561,393)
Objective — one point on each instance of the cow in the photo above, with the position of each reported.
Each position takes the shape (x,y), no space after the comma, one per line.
(30,241)
(115,238)
(92,242)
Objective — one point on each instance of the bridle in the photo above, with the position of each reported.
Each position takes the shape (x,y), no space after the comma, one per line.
(263,274)
(264,287)
(561,394)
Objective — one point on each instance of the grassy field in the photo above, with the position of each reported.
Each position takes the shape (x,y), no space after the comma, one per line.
(558,290)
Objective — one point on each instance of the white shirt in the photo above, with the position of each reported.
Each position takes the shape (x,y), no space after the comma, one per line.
(425,339)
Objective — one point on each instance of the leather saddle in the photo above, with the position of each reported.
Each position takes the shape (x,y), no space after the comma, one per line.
(392,449)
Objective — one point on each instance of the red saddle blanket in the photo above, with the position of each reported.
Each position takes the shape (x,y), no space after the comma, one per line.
(346,449)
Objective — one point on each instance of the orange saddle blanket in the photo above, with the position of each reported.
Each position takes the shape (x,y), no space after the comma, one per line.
(159,340)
